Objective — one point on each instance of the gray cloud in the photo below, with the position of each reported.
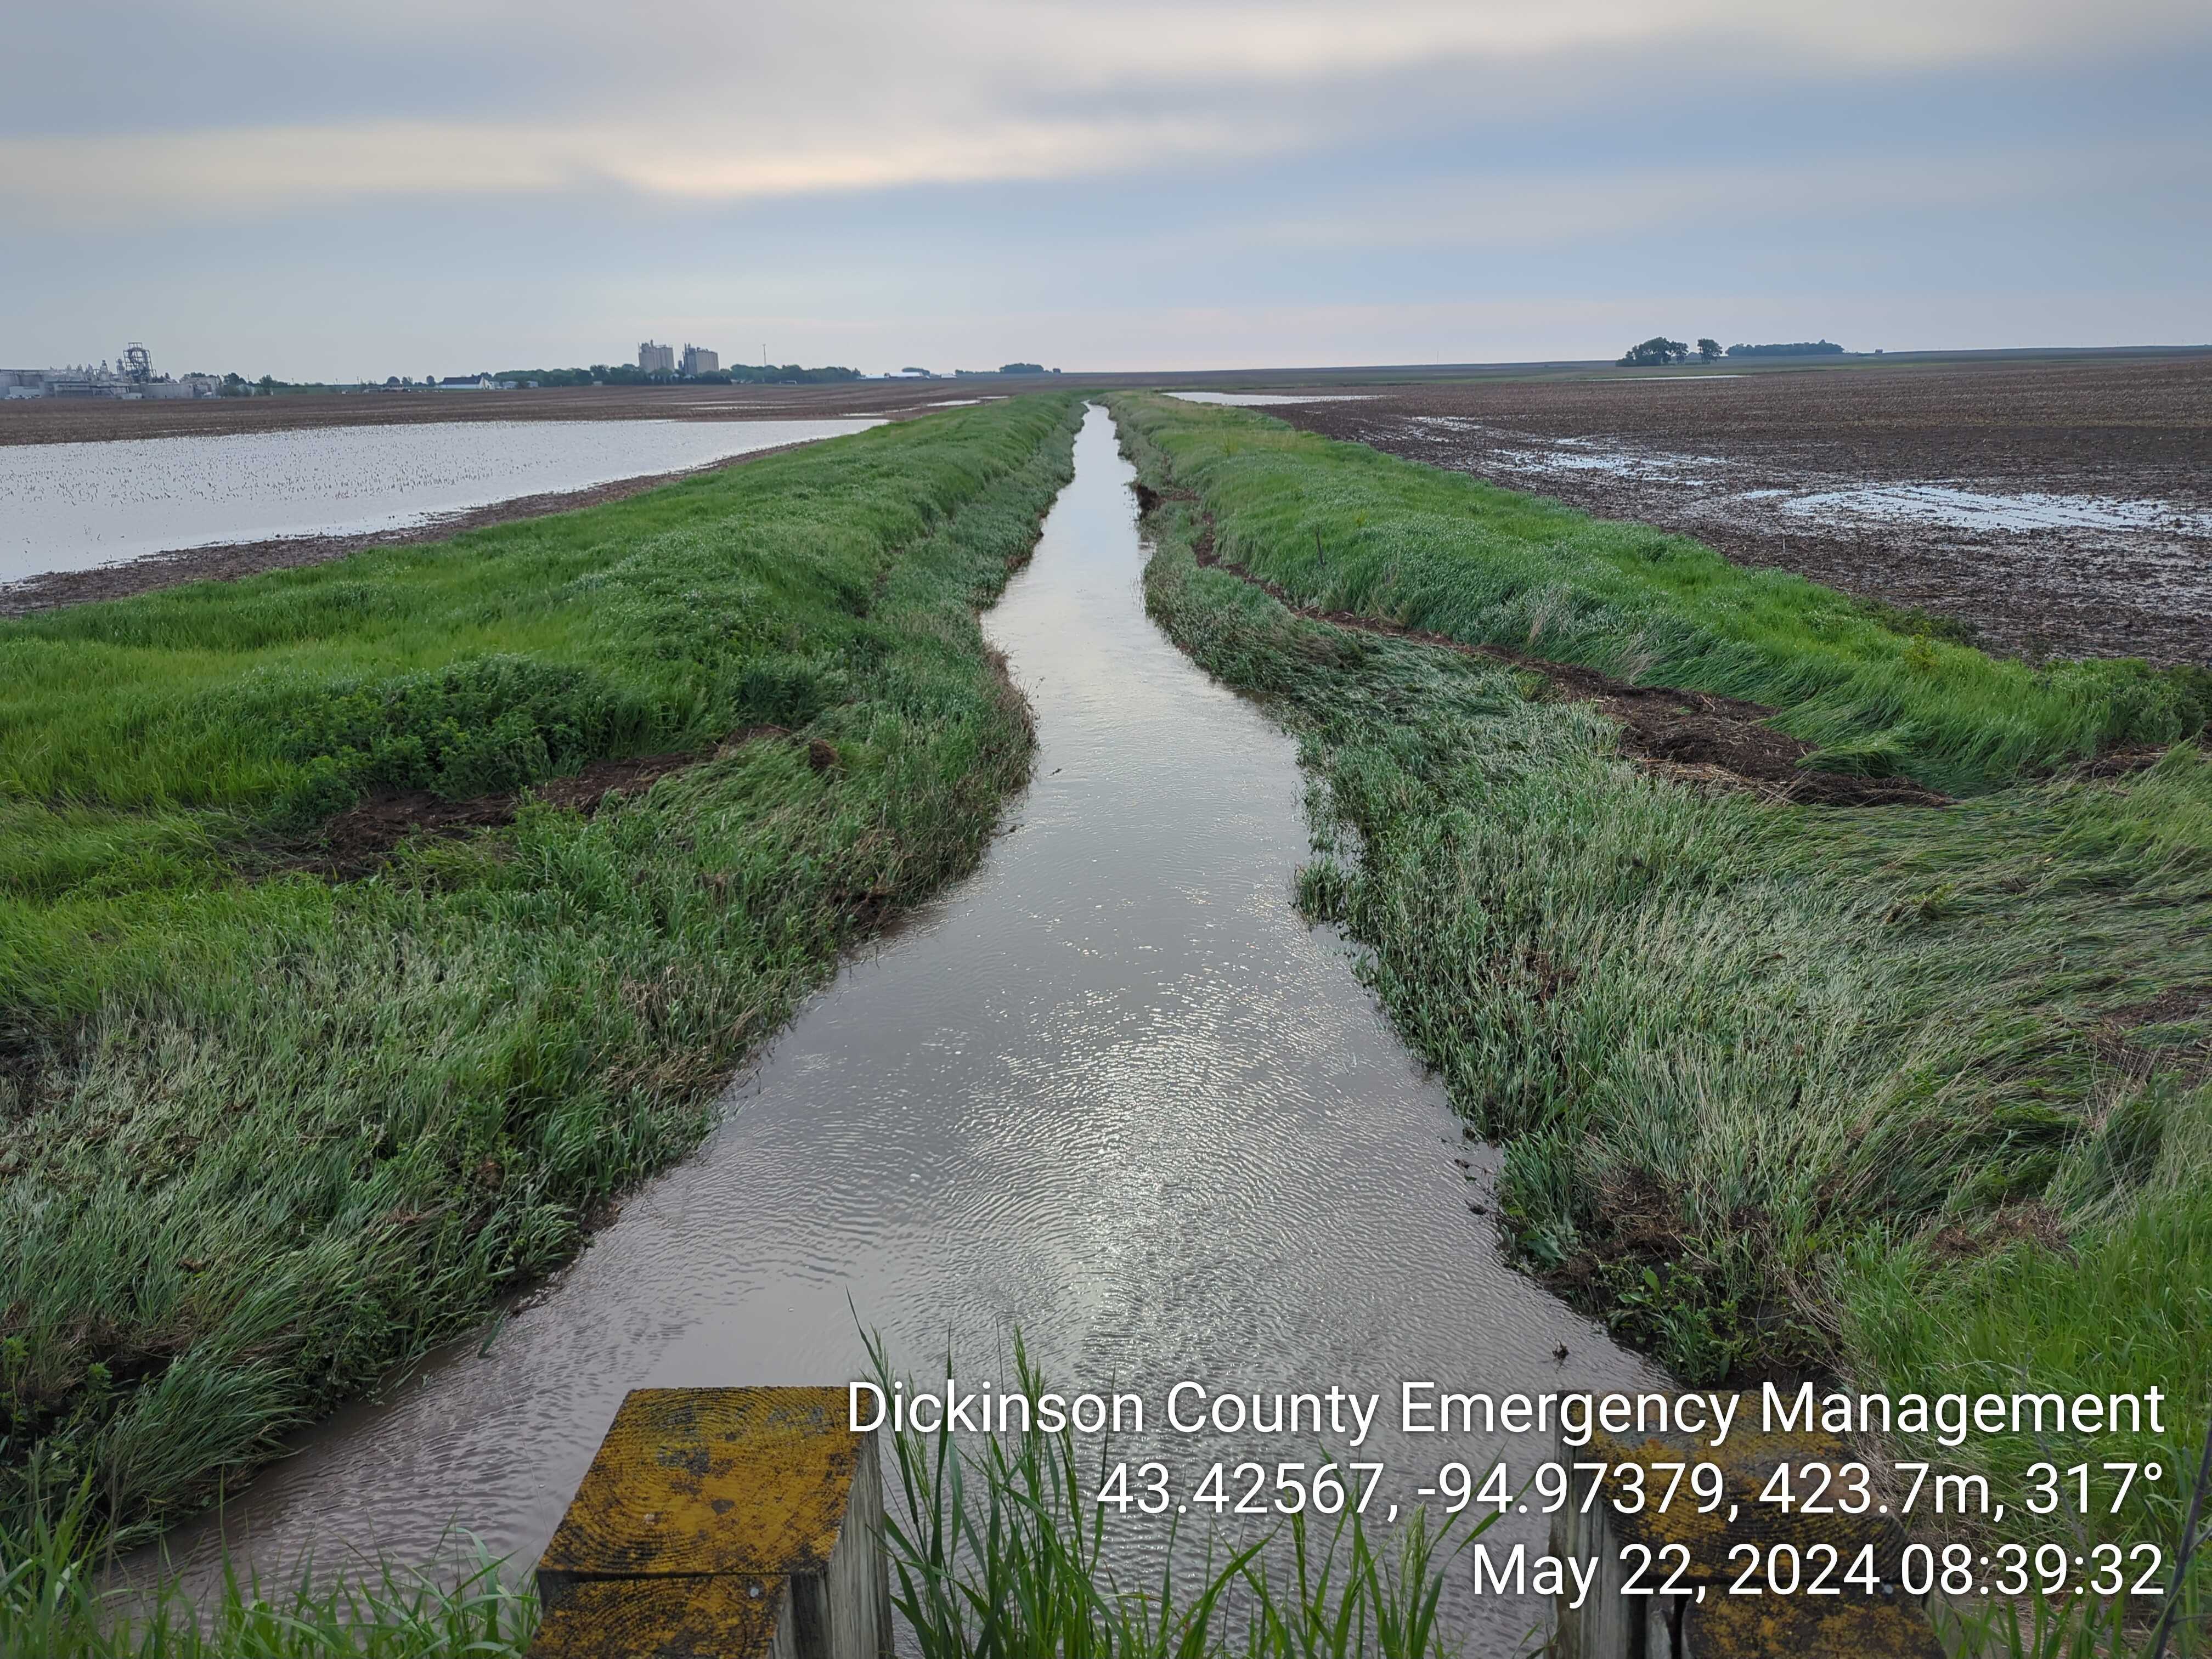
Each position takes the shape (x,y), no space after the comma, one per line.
(940,168)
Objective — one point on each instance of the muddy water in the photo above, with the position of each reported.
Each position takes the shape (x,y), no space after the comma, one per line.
(1110,1090)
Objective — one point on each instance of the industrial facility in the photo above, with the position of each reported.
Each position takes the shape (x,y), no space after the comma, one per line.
(131,378)
(654,359)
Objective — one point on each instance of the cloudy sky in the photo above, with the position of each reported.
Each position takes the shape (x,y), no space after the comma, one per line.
(350,188)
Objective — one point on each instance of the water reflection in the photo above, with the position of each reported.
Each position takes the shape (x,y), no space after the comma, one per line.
(1110,1090)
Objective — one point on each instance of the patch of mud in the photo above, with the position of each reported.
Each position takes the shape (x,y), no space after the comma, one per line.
(1694,737)
(21,1066)
(2118,1038)
(2031,1223)
(2121,762)
(360,839)
(1640,1238)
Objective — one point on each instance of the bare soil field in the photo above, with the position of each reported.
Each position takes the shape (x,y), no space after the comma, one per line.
(92,420)
(2056,507)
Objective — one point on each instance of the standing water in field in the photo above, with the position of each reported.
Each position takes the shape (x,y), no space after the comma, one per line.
(1111,1092)
(75,506)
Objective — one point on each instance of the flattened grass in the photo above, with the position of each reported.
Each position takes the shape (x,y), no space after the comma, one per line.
(263,1134)
(1915,1096)
(1345,527)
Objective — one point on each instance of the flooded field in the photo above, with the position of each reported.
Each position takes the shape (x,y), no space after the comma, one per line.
(2059,506)
(1267,399)
(1111,1091)
(84,420)
(71,506)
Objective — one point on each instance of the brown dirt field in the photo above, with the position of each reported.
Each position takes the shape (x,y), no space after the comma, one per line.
(2119,565)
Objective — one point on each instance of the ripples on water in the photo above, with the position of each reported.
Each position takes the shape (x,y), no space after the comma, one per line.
(1110,1090)
(71,506)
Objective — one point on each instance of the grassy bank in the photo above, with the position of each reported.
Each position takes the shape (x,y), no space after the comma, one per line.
(270,1123)
(53,1605)
(1914,1094)
(1442,551)
(998,1550)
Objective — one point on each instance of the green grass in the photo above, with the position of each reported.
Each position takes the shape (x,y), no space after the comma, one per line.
(1343,526)
(1876,1091)
(54,1604)
(1776,1085)
(263,1134)
(995,1552)
(999,1552)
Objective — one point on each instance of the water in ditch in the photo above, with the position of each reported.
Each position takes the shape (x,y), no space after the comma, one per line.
(1110,1090)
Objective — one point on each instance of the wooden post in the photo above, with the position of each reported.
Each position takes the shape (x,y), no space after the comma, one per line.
(722,1523)
(1705,1619)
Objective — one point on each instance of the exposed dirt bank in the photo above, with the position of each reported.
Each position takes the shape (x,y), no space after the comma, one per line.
(1691,735)
(1695,736)
(360,838)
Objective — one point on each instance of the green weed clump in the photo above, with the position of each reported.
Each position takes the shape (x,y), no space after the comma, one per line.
(1913,1095)
(475,727)
(264,1133)
(1002,1552)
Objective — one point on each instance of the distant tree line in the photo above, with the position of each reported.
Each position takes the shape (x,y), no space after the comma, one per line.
(1658,351)
(788,374)
(1794,349)
(237,385)
(631,374)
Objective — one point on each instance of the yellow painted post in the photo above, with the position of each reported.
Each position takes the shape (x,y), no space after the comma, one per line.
(734,1524)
